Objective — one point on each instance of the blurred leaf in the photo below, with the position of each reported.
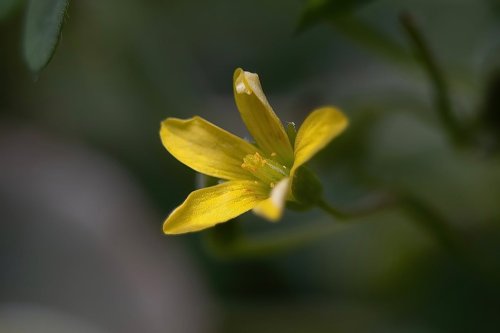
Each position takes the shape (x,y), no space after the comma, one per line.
(319,10)
(43,26)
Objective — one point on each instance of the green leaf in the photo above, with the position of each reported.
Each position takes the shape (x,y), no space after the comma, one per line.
(43,26)
(8,7)
(319,10)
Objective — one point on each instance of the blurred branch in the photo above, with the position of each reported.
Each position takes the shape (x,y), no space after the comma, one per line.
(229,241)
(371,38)
(424,214)
(366,207)
(340,14)
(441,95)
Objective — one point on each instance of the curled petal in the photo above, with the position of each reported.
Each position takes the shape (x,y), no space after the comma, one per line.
(206,148)
(212,205)
(258,116)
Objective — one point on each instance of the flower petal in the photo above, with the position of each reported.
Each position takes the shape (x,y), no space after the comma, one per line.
(319,128)
(272,207)
(206,148)
(258,116)
(212,205)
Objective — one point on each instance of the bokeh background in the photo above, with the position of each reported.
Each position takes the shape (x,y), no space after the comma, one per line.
(85,183)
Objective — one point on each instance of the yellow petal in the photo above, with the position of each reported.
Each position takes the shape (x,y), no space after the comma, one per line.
(319,128)
(212,205)
(206,148)
(272,207)
(260,119)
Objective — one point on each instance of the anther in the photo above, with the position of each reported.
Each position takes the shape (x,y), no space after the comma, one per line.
(266,170)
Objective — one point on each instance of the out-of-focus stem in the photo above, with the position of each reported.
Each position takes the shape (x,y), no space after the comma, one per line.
(371,38)
(422,213)
(372,206)
(440,88)
(229,241)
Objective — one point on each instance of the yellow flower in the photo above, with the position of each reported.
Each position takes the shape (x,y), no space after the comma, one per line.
(257,177)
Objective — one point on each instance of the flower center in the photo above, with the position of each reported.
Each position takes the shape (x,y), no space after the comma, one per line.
(267,170)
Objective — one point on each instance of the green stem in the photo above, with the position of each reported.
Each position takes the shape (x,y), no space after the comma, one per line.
(426,216)
(333,211)
(441,94)
(229,241)
(366,208)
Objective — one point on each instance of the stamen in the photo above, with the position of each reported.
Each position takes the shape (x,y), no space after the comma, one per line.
(266,170)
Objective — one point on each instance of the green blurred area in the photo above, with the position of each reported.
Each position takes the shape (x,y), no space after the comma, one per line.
(122,67)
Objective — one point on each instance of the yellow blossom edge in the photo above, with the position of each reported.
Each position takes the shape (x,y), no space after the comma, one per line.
(206,148)
(259,117)
(318,129)
(209,206)
(272,208)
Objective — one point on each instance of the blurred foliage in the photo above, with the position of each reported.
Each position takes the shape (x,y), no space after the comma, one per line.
(44,21)
(318,10)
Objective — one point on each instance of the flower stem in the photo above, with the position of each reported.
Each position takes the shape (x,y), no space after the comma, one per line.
(333,211)
(435,73)
(229,240)
(426,216)
(367,207)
